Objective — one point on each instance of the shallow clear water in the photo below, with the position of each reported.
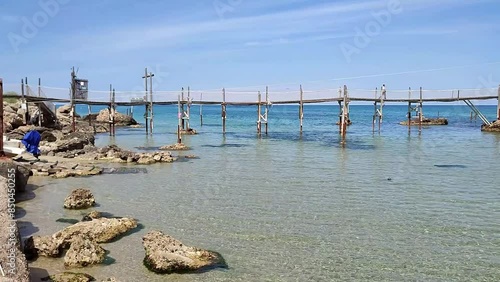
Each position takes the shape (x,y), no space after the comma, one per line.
(286,207)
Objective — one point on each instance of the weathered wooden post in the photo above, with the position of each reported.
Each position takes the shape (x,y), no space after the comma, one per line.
(420,112)
(179,117)
(223,112)
(182,110)
(375,114)
(409,110)
(301,108)
(188,109)
(73,94)
(110,110)
(498,107)
(267,108)
(26,101)
(40,114)
(151,115)
(344,114)
(258,114)
(146,105)
(113,112)
(201,109)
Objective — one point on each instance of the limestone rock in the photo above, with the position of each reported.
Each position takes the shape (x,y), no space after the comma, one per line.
(91,216)
(100,230)
(69,277)
(84,252)
(175,147)
(494,127)
(426,121)
(120,119)
(79,199)
(165,254)
(189,131)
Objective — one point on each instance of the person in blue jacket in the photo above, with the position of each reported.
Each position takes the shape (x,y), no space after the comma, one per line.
(31,140)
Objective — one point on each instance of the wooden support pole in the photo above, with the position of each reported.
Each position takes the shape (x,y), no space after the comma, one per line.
(89,116)
(26,116)
(258,115)
(267,108)
(201,109)
(188,109)
(182,110)
(301,108)
(179,117)
(344,113)
(113,112)
(409,110)
(146,105)
(2,153)
(498,107)
(40,114)
(151,115)
(223,112)
(110,110)
(73,94)
(420,112)
(375,113)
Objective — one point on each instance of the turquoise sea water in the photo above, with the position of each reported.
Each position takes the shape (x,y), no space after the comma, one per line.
(288,207)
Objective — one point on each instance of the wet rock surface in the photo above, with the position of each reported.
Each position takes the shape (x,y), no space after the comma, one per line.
(99,230)
(164,254)
(79,199)
(120,119)
(494,127)
(84,252)
(175,147)
(69,277)
(426,121)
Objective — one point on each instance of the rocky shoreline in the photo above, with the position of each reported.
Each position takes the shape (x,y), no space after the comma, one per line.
(72,154)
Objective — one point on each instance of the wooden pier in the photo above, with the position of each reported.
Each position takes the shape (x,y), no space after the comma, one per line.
(344,97)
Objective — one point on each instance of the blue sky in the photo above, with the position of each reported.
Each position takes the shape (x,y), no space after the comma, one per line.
(241,43)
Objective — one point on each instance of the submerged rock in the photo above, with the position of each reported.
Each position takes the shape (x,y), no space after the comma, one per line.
(164,254)
(189,131)
(84,252)
(100,230)
(79,199)
(426,121)
(91,216)
(69,277)
(175,147)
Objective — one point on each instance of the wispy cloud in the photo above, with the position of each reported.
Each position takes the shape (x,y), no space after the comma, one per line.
(10,19)
(311,23)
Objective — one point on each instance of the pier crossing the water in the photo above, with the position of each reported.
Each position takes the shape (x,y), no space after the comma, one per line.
(227,97)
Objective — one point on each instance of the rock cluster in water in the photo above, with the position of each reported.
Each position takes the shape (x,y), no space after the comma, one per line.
(164,254)
(494,127)
(426,121)
(175,147)
(79,199)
